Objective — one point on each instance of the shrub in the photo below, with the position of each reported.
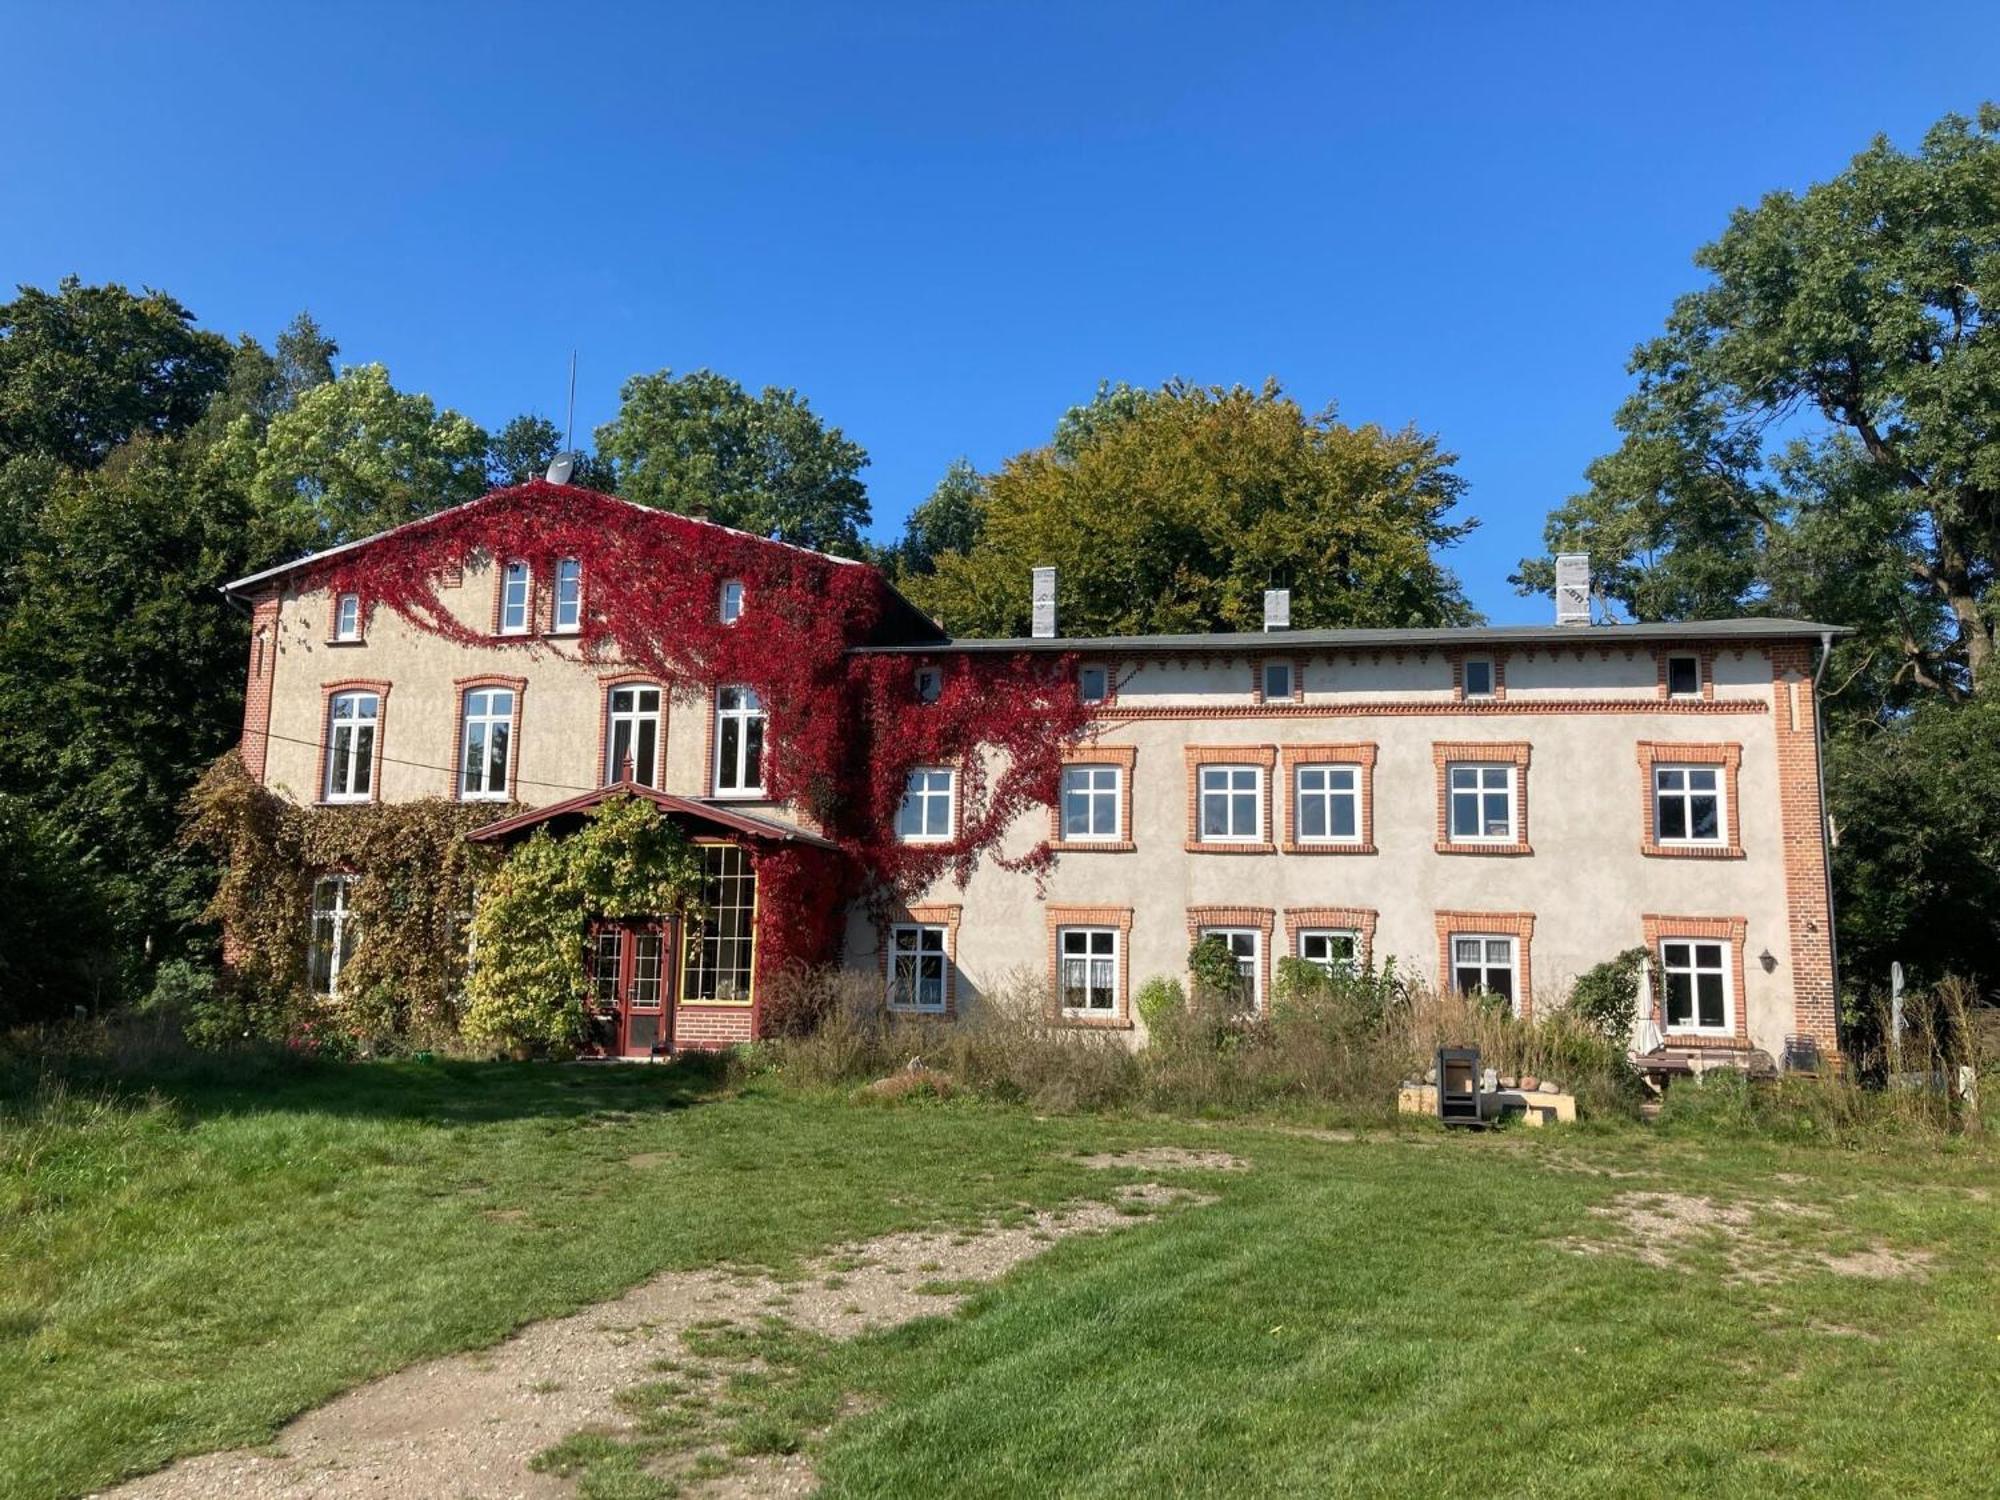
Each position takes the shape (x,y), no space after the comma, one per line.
(1159,997)
(1606,996)
(1213,968)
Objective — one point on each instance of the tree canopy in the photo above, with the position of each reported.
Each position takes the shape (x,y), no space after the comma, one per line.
(700,444)
(1815,430)
(1173,510)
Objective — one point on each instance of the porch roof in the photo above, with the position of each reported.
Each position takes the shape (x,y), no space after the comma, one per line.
(717,815)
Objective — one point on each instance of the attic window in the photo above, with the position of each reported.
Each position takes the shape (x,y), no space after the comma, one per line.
(1093,683)
(930,684)
(731,603)
(347,618)
(1683,677)
(1478,677)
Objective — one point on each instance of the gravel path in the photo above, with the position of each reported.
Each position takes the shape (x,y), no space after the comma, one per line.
(464,1427)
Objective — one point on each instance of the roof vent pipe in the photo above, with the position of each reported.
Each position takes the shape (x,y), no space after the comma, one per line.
(1044,604)
(1277,609)
(1573,588)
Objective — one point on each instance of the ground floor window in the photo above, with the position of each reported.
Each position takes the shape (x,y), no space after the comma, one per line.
(1330,948)
(1695,977)
(1088,970)
(1482,964)
(917,966)
(1243,944)
(722,945)
(333,933)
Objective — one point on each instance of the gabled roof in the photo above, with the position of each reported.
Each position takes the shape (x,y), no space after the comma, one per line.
(696,809)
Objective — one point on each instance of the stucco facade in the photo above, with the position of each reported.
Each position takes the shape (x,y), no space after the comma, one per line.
(1577,721)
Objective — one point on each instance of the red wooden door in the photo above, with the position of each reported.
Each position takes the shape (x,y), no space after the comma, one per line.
(631,987)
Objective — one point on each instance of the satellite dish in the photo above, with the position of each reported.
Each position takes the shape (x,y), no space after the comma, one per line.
(561,467)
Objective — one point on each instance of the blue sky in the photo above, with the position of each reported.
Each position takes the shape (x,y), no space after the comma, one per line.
(945,224)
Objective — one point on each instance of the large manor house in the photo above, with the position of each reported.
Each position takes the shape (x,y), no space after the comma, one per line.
(1492,808)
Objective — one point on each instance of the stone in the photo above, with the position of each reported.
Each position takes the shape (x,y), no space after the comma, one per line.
(1431,1074)
(1530,1081)
(1507,1081)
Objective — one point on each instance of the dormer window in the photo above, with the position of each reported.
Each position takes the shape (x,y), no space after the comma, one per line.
(347,618)
(569,594)
(1479,677)
(930,684)
(516,587)
(1093,683)
(730,605)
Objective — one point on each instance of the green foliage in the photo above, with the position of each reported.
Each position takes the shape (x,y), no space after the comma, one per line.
(528,986)
(1158,999)
(1212,968)
(51,909)
(1852,323)
(948,521)
(1606,996)
(1363,995)
(523,449)
(355,455)
(700,444)
(1176,510)
(85,368)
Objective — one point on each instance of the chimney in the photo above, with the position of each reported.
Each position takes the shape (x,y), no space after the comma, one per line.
(1044,613)
(1573,588)
(1277,609)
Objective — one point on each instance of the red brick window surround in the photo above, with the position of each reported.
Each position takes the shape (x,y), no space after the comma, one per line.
(1097,682)
(1724,760)
(329,693)
(1115,920)
(1120,759)
(463,688)
(1263,760)
(1359,759)
(1359,920)
(1203,920)
(1518,925)
(346,620)
(1695,933)
(652,775)
(1462,756)
(902,952)
(1294,669)
(514,597)
(1495,665)
(1704,665)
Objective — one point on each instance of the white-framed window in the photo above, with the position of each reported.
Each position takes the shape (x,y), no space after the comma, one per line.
(488,729)
(632,734)
(1092,799)
(1245,944)
(1479,677)
(569,594)
(1483,963)
(925,816)
(1326,804)
(1277,681)
(739,742)
(517,589)
(929,684)
(1333,949)
(353,720)
(331,941)
(1687,804)
(347,618)
(1087,970)
(729,601)
(1683,676)
(1482,803)
(1093,682)
(918,964)
(1232,804)
(1694,973)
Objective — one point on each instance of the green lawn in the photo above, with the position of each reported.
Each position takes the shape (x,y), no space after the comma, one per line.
(1383,1316)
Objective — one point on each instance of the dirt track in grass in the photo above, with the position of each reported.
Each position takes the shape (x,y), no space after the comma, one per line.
(466,1426)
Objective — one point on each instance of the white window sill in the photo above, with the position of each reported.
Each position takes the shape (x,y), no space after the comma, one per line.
(739,794)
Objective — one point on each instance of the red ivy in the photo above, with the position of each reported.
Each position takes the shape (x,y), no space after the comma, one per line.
(843,730)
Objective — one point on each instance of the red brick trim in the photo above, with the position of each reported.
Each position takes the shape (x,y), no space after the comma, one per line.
(263,671)
(1362,754)
(1519,925)
(1359,919)
(1705,660)
(328,691)
(1120,917)
(1198,756)
(1298,665)
(935,914)
(1731,930)
(1110,668)
(607,773)
(1802,820)
(1262,918)
(361,614)
(1124,757)
(1457,656)
(564,632)
(1489,752)
(1656,753)
(460,687)
(533,622)
(1472,707)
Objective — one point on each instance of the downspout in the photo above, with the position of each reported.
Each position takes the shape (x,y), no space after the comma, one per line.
(1825,825)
